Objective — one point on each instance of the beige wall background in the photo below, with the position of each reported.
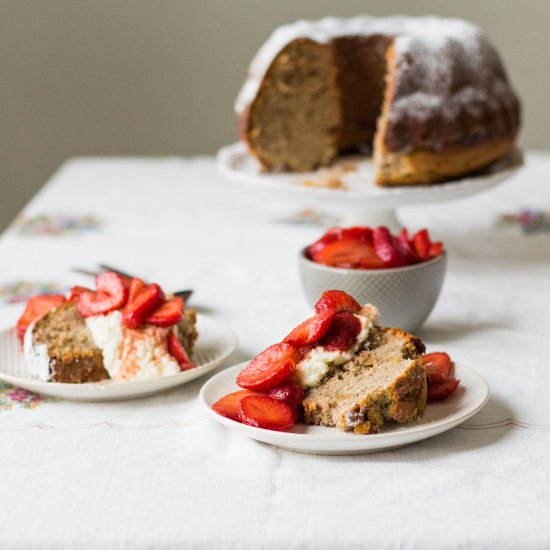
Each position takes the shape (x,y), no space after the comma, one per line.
(103,77)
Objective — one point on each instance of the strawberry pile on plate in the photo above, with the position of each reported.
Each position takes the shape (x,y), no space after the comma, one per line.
(272,395)
(441,380)
(140,304)
(364,247)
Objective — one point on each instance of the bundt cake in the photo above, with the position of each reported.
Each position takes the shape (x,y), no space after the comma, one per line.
(428,96)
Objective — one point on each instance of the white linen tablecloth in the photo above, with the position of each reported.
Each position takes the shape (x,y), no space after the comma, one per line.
(157,473)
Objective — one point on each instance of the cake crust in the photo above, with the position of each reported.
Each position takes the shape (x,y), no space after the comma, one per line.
(421,167)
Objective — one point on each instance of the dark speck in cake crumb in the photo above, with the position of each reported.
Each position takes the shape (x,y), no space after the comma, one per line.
(354,418)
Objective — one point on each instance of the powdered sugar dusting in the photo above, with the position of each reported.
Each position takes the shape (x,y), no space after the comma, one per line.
(425,35)
(447,71)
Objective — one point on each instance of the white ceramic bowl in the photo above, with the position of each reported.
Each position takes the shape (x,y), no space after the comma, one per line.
(405,296)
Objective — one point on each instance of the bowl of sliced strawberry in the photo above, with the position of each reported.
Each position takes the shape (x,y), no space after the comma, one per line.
(401,273)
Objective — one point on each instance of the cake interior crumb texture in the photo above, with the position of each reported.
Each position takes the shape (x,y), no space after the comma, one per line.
(384,383)
(299,87)
(74,358)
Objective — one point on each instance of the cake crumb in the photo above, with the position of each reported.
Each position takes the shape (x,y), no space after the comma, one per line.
(330,178)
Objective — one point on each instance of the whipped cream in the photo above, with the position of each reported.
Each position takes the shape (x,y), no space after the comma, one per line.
(318,361)
(37,356)
(147,358)
(131,354)
(106,331)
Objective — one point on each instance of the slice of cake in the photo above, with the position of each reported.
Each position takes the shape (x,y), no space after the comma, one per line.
(386,382)
(127,330)
(339,368)
(59,347)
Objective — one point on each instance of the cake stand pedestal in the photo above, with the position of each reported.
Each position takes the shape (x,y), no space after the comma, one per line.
(348,185)
(372,217)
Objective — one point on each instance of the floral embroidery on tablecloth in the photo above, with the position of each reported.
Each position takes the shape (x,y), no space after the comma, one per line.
(308,216)
(59,225)
(16,292)
(530,220)
(12,397)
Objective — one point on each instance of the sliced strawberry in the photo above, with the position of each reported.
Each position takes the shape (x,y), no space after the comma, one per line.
(310,331)
(134,288)
(228,405)
(272,367)
(357,233)
(435,249)
(147,301)
(35,308)
(76,291)
(335,301)
(438,366)
(403,243)
(443,389)
(343,332)
(126,281)
(168,314)
(111,294)
(361,247)
(94,303)
(403,240)
(290,393)
(176,350)
(330,236)
(332,233)
(386,249)
(421,243)
(265,412)
(114,285)
(349,254)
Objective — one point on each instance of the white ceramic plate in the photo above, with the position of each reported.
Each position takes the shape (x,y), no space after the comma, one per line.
(215,343)
(439,417)
(235,162)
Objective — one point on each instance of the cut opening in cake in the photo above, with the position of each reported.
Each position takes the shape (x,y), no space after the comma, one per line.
(295,122)
(319,100)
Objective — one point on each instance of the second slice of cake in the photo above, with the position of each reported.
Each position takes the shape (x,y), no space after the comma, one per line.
(386,382)
(126,330)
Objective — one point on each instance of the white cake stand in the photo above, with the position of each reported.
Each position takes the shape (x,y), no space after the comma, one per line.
(362,201)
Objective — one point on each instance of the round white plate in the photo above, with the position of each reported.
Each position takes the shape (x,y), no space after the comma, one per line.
(471,396)
(215,343)
(235,162)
